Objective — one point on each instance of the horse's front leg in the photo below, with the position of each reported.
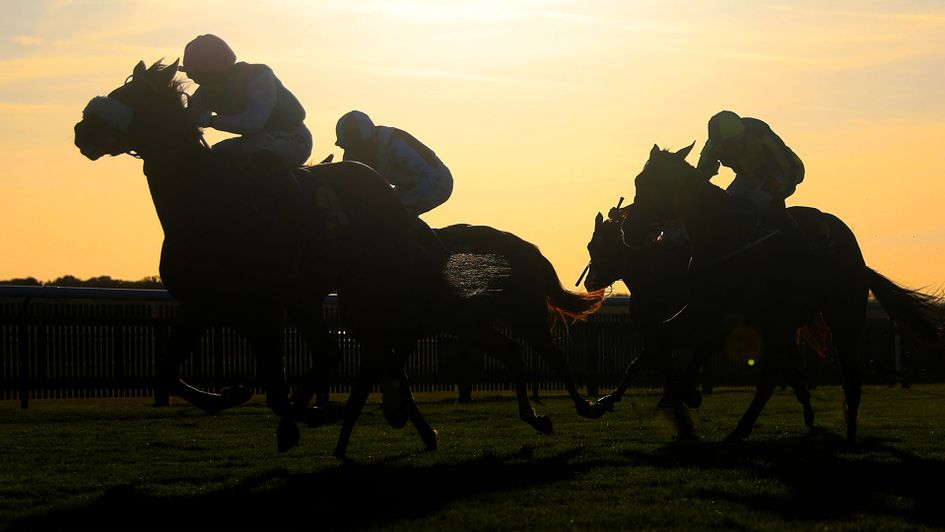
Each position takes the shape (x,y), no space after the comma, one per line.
(634,368)
(190,325)
(352,409)
(270,364)
(427,433)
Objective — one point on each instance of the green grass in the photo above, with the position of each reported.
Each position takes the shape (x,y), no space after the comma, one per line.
(124,464)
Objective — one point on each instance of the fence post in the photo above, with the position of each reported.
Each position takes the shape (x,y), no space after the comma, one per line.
(591,362)
(161,394)
(23,362)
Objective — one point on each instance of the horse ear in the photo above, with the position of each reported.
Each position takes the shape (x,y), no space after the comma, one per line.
(140,68)
(654,151)
(598,221)
(683,153)
(168,73)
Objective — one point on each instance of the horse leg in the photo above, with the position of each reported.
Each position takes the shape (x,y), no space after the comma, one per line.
(536,333)
(846,342)
(185,332)
(509,354)
(266,343)
(794,374)
(352,409)
(763,391)
(635,366)
(427,433)
(326,356)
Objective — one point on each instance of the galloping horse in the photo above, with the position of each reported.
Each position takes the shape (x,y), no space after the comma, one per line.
(657,276)
(772,283)
(496,280)
(243,250)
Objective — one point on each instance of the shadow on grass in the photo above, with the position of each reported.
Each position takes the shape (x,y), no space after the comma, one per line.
(825,479)
(351,496)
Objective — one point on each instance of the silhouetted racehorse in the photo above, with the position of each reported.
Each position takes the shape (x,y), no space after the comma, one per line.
(243,246)
(497,280)
(771,282)
(657,276)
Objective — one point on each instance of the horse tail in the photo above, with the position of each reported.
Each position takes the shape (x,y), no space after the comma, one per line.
(566,307)
(920,313)
(528,261)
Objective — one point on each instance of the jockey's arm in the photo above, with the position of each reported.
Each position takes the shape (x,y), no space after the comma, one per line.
(709,160)
(196,110)
(261,95)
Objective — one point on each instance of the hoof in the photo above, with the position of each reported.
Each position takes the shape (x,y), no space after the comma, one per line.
(429,439)
(543,424)
(733,438)
(317,417)
(236,395)
(287,435)
(592,410)
(809,418)
(607,402)
(692,397)
(396,420)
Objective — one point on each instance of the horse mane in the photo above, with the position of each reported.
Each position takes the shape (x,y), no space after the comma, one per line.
(172,91)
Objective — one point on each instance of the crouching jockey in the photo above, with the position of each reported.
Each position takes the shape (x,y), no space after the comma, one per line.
(246,99)
(766,170)
(419,177)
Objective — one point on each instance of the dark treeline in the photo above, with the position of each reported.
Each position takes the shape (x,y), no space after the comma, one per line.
(102,281)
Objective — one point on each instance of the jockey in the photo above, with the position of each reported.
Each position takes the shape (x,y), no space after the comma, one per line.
(766,170)
(420,178)
(247,99)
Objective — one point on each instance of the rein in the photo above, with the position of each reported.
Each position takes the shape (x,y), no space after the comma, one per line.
(732,254)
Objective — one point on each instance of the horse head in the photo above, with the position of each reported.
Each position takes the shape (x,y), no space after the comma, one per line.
(666,186)
(607,253)
(135,115)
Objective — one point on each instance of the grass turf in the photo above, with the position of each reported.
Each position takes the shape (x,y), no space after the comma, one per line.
(124,464)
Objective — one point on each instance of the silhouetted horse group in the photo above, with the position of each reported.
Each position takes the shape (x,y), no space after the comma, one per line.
(244,246)
(732,274)
(247,245)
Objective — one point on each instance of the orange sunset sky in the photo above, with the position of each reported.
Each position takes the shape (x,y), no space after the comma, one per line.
(544,110)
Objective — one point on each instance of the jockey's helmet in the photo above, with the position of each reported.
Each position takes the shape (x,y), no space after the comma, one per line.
(725,125)
(207,54)
(353,129)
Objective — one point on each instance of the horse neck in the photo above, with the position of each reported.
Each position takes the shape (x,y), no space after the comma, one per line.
(707,222)
(176,177)
(655,271)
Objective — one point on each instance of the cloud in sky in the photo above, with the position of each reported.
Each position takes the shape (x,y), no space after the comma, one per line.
(27,40)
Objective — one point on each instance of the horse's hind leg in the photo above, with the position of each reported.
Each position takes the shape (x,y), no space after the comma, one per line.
(427,433)
(536,333)
(352,409)
(326,357)
(509,354)
(794,374)
(846,341)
